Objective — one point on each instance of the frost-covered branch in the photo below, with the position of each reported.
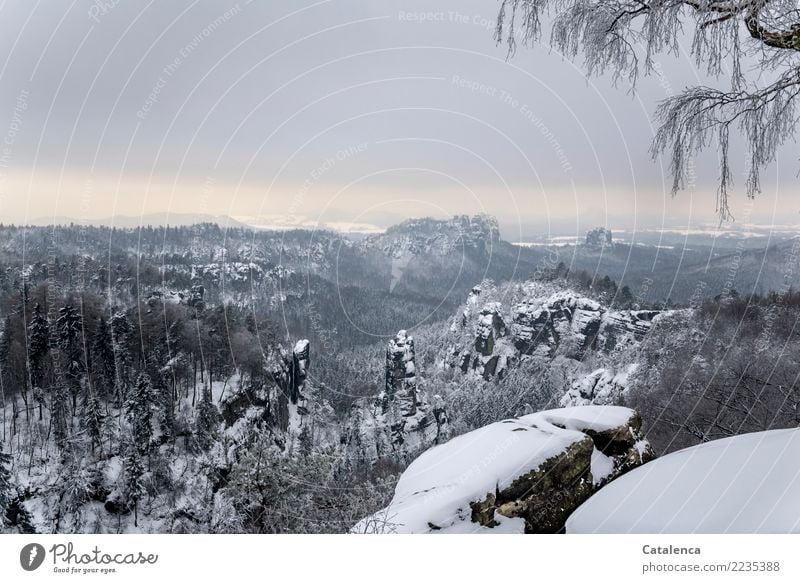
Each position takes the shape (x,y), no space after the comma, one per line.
(623,38)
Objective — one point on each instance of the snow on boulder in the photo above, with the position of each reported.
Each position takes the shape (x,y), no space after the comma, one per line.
(744,484)
(518,475)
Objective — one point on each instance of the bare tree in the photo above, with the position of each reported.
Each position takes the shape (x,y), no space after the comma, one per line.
(624,37)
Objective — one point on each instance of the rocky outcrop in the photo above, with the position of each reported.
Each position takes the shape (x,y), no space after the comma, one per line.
(291,406)
(602,386)
(401,421)
(428,236)
(298,369)
(599,238)
(520,475)
(544,322)
(401,375)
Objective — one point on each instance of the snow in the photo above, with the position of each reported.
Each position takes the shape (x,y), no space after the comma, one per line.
(744,484)
(434,493)
(583,418)
(603,466)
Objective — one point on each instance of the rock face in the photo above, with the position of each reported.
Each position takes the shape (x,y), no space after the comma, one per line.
(599,238)
(291,406)
(401,421)
(401,374)
(428,236)
(543,322)
(600,386)
(298,369)
(520,475)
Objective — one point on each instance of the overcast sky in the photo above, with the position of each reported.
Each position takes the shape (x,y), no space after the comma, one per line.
(293,112)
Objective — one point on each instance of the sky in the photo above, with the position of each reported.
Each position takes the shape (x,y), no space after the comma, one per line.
(354,115)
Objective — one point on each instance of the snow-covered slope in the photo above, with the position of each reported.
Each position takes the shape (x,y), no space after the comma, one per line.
(506,476)
(744,484)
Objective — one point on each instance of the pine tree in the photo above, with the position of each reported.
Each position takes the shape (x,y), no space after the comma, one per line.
(207,422)
(7,493)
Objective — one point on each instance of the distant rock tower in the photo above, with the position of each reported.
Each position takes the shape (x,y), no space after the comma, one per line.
(599,238)
(401,374)
(298,369)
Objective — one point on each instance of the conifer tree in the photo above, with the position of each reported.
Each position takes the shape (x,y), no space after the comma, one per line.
(6,487)
(93,418)
(208,418)
(120,334)
(38,343)
(103,358)
(139,412)
(133,483)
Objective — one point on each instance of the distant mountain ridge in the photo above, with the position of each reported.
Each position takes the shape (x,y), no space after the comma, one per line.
(152,219)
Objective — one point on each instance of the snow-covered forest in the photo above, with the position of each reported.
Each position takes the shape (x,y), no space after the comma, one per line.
(208,380)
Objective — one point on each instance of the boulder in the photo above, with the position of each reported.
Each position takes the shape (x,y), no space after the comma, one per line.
(746,484)
(519,475)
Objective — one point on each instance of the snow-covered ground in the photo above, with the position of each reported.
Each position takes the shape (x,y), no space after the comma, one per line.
(744,484)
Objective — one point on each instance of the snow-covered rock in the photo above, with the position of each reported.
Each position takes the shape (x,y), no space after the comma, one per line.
(600,387)
(401,374)
(526,474)
(543,322)
(599,238)
(744,484)
(428,236)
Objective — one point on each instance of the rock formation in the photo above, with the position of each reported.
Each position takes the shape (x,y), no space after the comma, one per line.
(520,475)
(543,322)
(401,375)
(427,236)
(599,238)
(401,422)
